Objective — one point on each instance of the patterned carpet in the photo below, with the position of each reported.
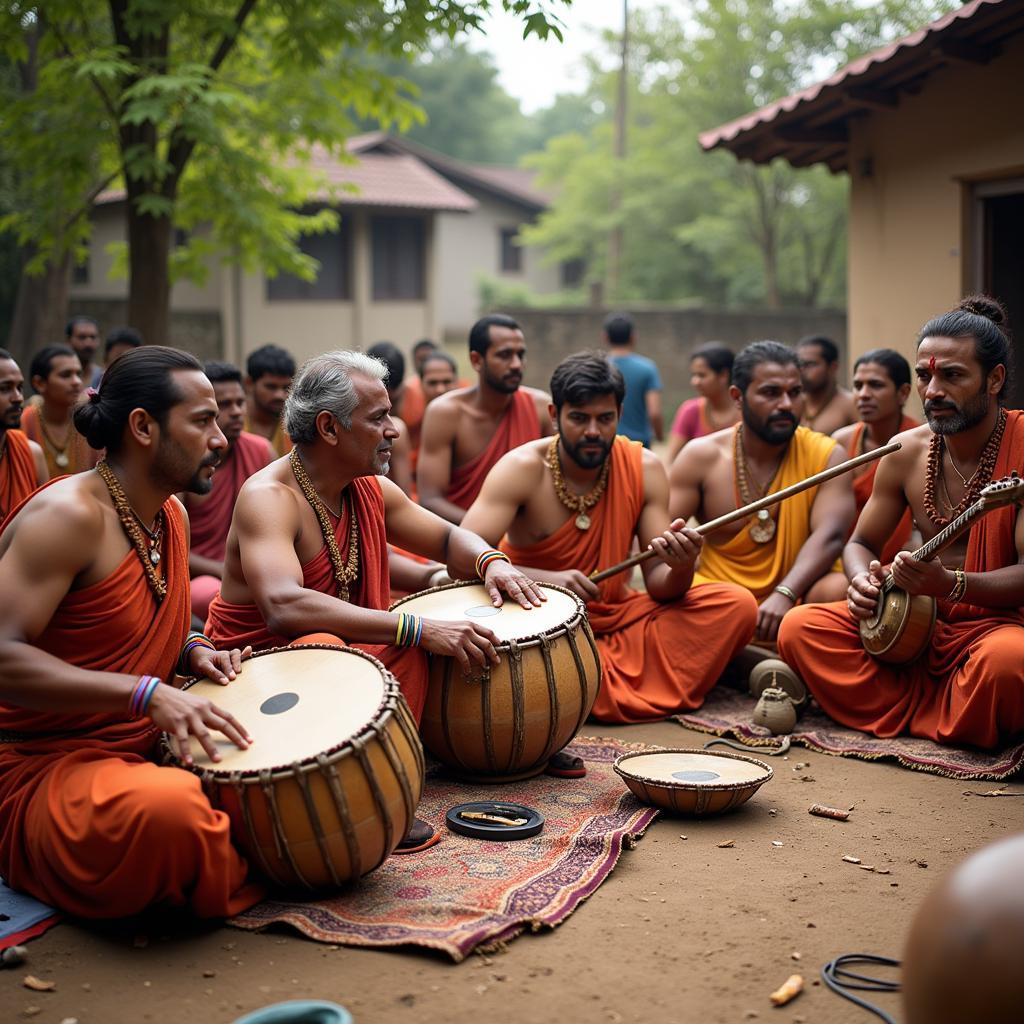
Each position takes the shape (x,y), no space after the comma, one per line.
(728,713)
(466,893)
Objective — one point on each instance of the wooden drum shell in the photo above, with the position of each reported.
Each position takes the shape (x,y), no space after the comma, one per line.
(504,724)
(322,822)
(901,629)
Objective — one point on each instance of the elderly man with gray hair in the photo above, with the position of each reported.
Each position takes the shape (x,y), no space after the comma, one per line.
(307,553)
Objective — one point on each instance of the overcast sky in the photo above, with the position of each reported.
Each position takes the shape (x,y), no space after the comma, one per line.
(535,72)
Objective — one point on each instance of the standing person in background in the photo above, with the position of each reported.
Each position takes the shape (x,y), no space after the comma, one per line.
(22,466)
(119,341)
(269,371)
(210,513)
(400,469)
(713,409)
(827,407)
(641,411)
(83,335)
(56,374)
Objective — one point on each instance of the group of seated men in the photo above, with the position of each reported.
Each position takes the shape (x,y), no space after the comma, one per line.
(517,488)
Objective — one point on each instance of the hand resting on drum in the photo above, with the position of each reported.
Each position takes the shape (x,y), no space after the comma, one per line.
(467,642)
(181,715)
(217,666)
(502,576)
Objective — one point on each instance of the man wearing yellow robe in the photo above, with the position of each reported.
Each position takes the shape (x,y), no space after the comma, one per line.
(785,554)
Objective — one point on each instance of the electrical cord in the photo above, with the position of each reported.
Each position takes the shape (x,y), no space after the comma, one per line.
(838,978)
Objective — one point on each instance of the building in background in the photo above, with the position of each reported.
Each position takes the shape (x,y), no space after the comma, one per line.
(929,129)
(417,232)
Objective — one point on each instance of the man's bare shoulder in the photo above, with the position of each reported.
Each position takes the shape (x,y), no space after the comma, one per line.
(442,415)
(267,491)
(844,435)
(537,395)
(707,451)
(527,462)
(72,513)
(915,444)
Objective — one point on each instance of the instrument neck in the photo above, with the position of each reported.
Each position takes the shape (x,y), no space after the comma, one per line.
(946,536)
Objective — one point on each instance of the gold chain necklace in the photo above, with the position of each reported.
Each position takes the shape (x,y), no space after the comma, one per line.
(149,554)
(345,572)
(578,503)
(762,529)
(60,457)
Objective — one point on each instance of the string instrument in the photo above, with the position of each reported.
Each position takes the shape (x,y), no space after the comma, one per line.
(901,627)
(756,506)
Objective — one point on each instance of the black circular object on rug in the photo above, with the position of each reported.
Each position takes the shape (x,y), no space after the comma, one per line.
(494,831)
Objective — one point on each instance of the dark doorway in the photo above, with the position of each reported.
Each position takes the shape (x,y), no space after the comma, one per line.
(1002,269)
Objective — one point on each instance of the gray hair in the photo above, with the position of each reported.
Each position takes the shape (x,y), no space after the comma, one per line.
(325,384)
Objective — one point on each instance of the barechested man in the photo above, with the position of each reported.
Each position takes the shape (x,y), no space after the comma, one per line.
(94,613)
(308,547)
(574,504)
(22,465)
(967,687)
(827,406)
(783,552)
(466,431)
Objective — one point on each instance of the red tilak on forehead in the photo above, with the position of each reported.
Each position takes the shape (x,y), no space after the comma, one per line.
(931,364)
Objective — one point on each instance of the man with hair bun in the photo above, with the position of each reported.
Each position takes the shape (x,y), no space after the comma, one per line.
(967,687)
(22,465)
(574,504)
(307,552)
(94,620)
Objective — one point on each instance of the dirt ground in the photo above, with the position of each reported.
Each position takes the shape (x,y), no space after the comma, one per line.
(682,931)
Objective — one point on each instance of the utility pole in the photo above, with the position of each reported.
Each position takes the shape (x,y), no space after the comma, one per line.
(614,272)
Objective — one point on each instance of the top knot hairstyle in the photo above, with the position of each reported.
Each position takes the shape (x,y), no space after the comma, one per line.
(982,318)
(140,379)
(582,377)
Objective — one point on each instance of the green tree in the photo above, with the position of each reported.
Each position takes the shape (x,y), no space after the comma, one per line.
(206,113)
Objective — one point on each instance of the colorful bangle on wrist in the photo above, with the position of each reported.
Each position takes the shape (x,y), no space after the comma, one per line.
(192,641)
(409,630)
(485,559)
(142,694)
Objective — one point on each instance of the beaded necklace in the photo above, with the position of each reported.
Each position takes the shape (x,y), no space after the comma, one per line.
(345,572)
(762,529)
(578,503)
(980,479)
(136,531)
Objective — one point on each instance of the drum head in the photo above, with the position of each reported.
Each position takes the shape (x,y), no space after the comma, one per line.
(294,704)
(471,601)
(693,769)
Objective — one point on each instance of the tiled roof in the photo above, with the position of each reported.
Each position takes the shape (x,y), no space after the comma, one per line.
(810,125)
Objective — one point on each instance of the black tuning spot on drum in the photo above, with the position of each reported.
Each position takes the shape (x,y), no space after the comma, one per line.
(696,775)
(482,611)
(279,703)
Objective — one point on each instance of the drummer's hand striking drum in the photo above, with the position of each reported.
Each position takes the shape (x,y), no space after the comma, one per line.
(503,723)
(331,781)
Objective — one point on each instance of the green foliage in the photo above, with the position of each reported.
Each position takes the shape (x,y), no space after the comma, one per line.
(705,225)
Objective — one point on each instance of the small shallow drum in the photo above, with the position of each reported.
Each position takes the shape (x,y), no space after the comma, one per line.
(699,782)
(331,781)
(504,723)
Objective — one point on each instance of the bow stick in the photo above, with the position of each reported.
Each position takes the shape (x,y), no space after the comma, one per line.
(755,506)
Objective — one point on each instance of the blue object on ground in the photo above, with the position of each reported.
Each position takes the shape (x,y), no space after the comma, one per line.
(299,1011)
(19,912)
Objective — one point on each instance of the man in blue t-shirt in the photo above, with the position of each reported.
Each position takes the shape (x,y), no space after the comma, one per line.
(641,410)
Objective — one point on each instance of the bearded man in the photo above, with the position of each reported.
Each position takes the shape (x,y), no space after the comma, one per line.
(574,504)
(94,617)
(22,465)
(967,687)
(782,553)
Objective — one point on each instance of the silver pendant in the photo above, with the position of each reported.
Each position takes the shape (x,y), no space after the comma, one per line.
(62,460)
(763,528)
(583,521)
(154,556)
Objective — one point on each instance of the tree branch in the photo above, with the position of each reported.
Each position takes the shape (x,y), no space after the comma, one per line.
(107,101)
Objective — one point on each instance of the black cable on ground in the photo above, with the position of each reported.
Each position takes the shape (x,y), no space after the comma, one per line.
(838,978)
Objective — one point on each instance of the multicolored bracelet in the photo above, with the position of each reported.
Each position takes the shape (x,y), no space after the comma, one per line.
(485,559)
(409,630)
(192,641)
(142,694)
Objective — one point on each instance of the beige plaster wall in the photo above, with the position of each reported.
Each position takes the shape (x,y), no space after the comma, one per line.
(912,169)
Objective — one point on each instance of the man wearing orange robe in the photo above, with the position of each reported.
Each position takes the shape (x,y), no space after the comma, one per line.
(210,514)
(93,614)
(786,553)
(269,372)
(574,504)
(967,687)
(22,465)
(466,431)
(307,551)
(881,386)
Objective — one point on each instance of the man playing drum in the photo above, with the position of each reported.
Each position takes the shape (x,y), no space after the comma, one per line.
(94,592)
(573,504)
(307,552)
(967,687)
